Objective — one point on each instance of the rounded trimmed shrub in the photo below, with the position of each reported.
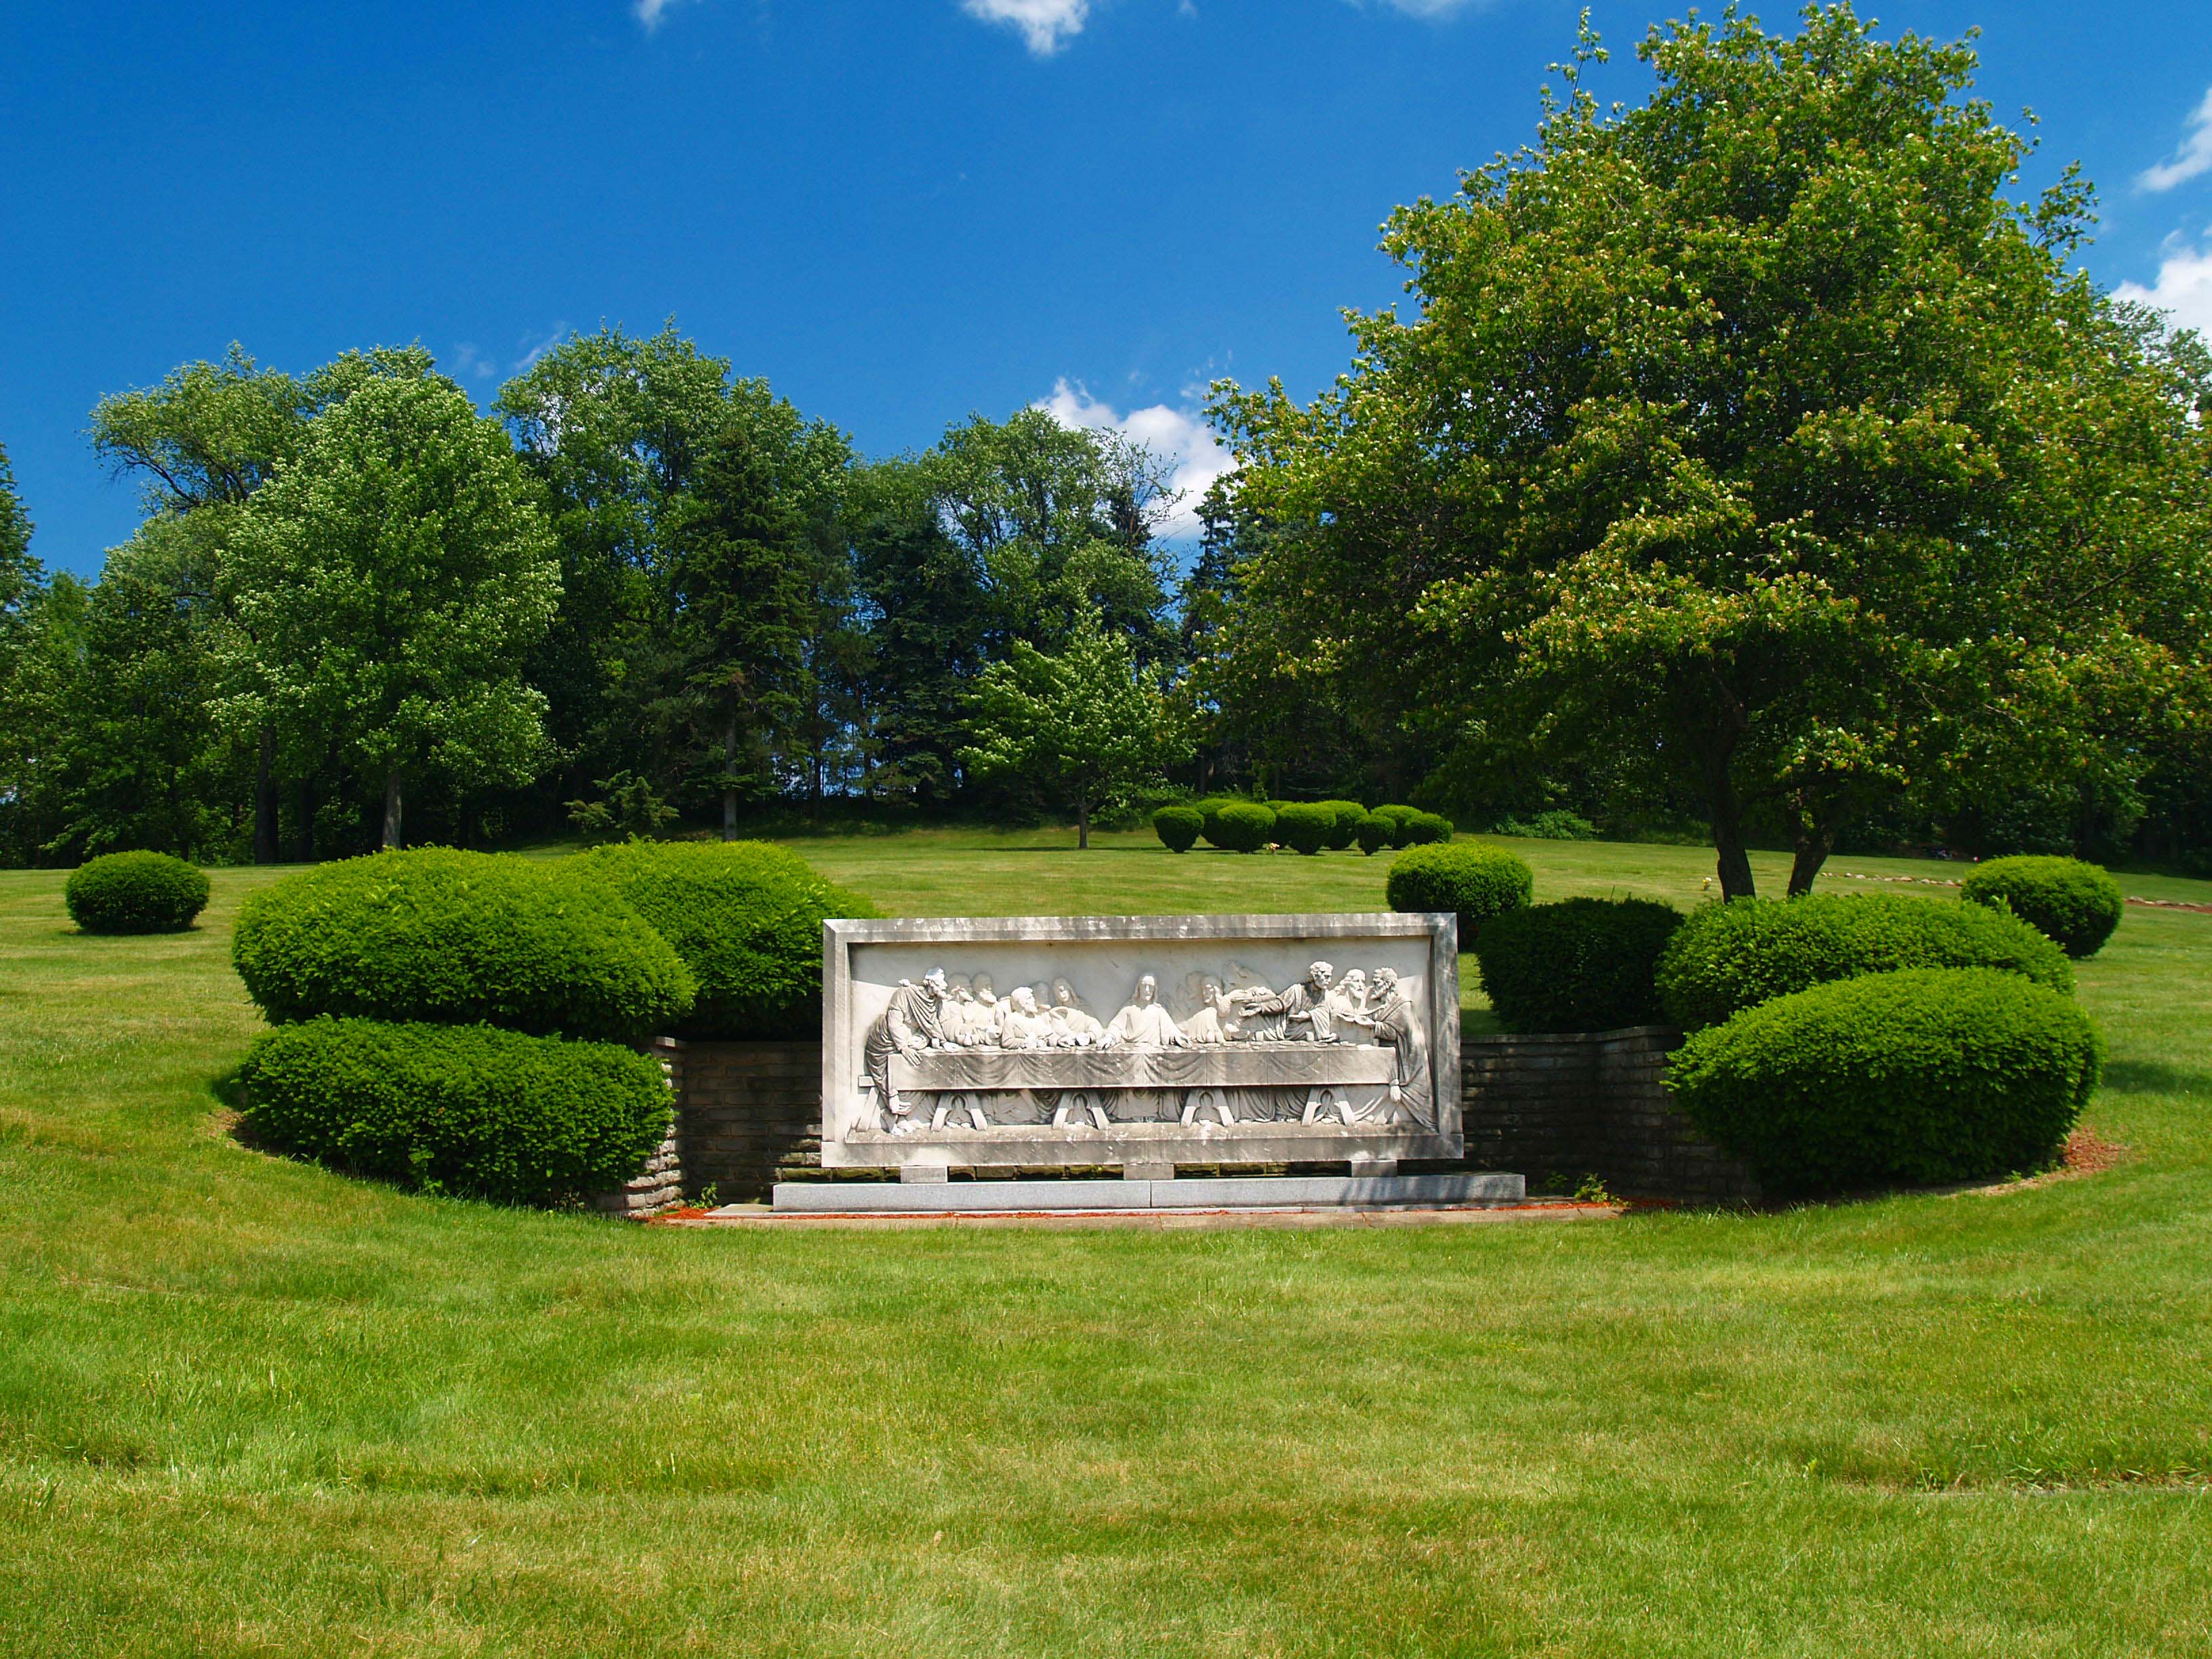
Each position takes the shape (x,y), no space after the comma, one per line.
(134,893)
(1240,826)
(1305,825)
(1400,816)
(1477,882)
(1735,955)
(459,939)
(746,917)
(1178,827)
(1348,813)
(1929,1075)
(1579,965)
(1373,833)
(2073,902)
(1427,830)
(457,1108)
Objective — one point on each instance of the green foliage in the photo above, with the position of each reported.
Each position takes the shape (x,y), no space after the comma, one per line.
(1556,824)
(1476,882)
(1737,955)
(629,809)
(1179,826)
(746,918)
(459,939)
(1401,816)
(1580,964)
(1924,1075)
(2075,903)
(463,1109)
(1427,829)
(1305,826)
(1373,832)
(1240,826)
(1345,829)
(136,893)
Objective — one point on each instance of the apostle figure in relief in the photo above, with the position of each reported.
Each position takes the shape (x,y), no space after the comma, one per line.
(1215,1022)
(962,1018)
(1073,1026)
(1348,1005)
(1144,1023)
(1022,1024)
(1302,1012)
(909,1025)
(1397,1026)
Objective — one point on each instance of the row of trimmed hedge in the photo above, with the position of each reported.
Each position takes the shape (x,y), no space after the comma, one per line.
(1239,826)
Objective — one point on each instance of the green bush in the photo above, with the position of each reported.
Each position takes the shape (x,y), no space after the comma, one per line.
(1305,826)
(1554,825)
(457,1108)
(134,893)
(1476,882)
(2075,903)
(1240,826)
(459,939)
(1347,813)
(1581,964)
(1178,827)
(1373,832)
(1735,955)
(746,917)
(1427,829)
(1931,1074)
(1400,816)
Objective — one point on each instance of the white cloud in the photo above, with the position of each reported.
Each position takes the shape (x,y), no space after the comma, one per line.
(1424,8)
(650,12)
(1045,25)
(467,360)
(2183,288)
(2194,155)
(1177,435)
(532,347)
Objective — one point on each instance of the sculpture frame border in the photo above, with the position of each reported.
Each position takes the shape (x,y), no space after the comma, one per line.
(1150,1146)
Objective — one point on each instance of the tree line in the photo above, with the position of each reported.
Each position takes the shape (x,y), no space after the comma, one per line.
(1749,465)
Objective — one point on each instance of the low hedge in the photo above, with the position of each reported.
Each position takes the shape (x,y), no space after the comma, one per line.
(1400,816)
(1347,815)
(1580,964)
(1305,826)
(746,918)
(466,1109)
(1178,827)
(2074,903)
(1373,832)
(1929,1075)
(459,939)
(134,893)
(1427,829)
(1477,882)
(1240,826)
(1735,955)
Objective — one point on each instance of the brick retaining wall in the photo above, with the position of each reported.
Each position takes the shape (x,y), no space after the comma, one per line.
(750,1115)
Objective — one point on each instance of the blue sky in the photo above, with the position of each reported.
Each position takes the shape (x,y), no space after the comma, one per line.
(897,210)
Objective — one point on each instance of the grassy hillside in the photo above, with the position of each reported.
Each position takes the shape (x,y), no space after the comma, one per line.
(250,1408)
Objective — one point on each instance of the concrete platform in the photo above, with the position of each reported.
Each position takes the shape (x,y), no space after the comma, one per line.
(1289,1193)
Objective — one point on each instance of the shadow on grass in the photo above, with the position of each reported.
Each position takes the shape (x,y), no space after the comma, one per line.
(2156,1077)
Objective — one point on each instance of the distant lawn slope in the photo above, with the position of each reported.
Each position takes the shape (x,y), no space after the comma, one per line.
(250,1408)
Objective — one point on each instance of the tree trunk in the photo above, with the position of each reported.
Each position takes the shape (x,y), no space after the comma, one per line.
(264,799)
(729,776)
(1734,859)
(1811,852)
(1082,823)
(392,804)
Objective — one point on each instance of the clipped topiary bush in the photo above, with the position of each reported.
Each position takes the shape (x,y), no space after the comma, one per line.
(746,917)
(1400,816)
(1581,964)
(1347,813)
(1305,826)
(459,939)
(1240,826)
(1476,882)
(1556,824)
(1928,1075)
(1427,830)
(457,1108)
(1178,827)
(134,893)
(1373,832)
(1735,955)
(2076,903)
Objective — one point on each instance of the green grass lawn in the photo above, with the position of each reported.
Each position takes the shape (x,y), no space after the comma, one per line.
(250,1408)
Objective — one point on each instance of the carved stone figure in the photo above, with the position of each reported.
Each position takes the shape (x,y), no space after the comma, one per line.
(1300,1013)
(1398,1026)
(1215,1022)
(1022,1024)
(1073,1026)
(1142,1023)
(909,1026)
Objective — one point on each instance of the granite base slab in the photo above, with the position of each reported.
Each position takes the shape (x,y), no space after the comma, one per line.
(1224,1192)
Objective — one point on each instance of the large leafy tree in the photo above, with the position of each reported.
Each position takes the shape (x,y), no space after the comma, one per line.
(1081,725)
(388,587)
(1751,433)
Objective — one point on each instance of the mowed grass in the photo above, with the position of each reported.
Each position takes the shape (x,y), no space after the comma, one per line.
(248,1406)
